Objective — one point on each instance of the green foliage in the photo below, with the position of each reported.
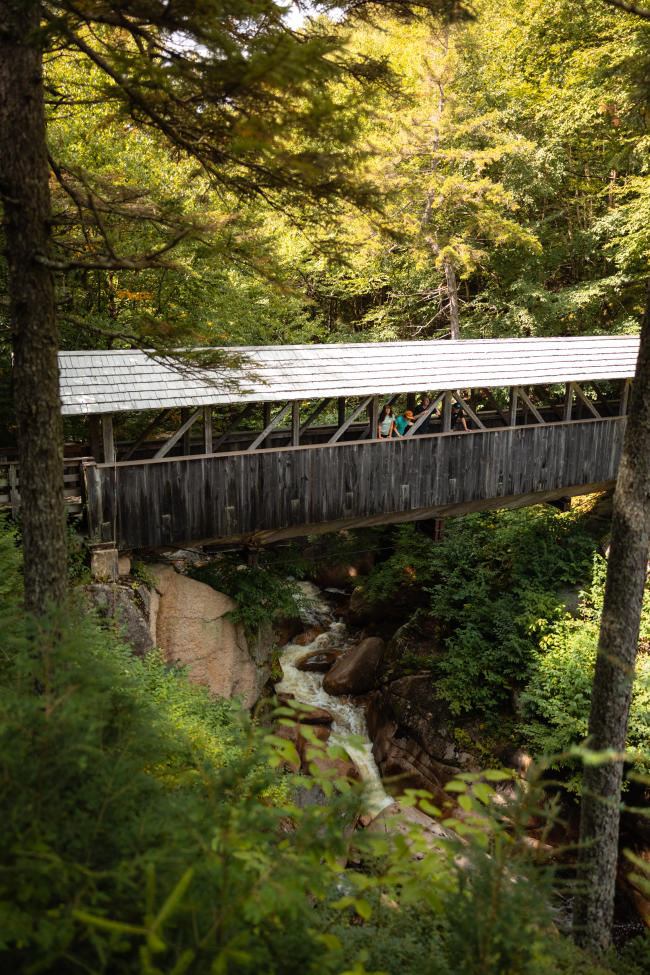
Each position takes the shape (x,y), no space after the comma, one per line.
(147,827)
(263,592)
(491,586)
(141,825)
(556,700)
(142,575)
(78,556)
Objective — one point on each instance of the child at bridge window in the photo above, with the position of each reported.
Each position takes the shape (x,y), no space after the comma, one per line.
(387,424)
(402,423)
(458,421)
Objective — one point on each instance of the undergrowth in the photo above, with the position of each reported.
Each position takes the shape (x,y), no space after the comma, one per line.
(149,827)
(491,586)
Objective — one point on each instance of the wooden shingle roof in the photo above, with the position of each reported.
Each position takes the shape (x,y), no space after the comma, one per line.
(117,381)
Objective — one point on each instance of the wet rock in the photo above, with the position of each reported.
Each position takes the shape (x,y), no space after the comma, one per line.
(355,673)
(285,629)
(125,609)
(319,662)
(304,639)
(316,716)
(413,737)
(194,630)
(415,638)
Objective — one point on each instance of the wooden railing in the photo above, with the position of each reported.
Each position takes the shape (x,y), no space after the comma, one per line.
(250,495)
(72,485)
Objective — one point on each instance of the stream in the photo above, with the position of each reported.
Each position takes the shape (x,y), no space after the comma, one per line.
(349,719)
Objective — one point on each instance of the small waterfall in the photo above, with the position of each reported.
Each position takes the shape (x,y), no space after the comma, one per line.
(349,719)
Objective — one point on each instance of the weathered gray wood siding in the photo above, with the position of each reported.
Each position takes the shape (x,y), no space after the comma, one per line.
(174,501)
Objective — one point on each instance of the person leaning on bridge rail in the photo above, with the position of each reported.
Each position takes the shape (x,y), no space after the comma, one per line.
(425,403)
(386,427)
(402,423)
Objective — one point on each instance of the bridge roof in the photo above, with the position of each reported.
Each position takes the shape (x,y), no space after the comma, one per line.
(120,380)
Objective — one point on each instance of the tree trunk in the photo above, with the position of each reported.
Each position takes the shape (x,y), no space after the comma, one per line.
(614,674)
(452,294)
(24,191)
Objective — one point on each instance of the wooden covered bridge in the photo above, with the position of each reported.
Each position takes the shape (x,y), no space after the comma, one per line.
(289,445)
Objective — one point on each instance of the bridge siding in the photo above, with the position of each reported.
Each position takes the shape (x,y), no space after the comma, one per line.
(174,501)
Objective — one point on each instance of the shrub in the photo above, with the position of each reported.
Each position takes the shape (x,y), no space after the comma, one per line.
(557,697)
(263,592)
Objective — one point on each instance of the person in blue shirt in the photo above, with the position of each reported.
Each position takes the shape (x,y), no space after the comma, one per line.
(402,423)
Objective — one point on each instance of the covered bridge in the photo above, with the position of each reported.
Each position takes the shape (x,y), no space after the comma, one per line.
(288,444)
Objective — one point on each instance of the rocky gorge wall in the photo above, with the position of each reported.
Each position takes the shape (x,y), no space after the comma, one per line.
(189,621)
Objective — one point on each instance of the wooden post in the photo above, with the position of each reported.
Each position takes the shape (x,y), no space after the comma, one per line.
(266,414)
(446,412)
(341,405)
(207,429)
(568,402)
(410,402)
(295,423)
(373,417)
(512,407)
(625,395)
(107,437)
(96,438)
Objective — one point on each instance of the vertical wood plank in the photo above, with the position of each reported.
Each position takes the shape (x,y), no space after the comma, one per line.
(512,407)
(446,412)
(207,429)
(625,396)
(341,410)
(568,402)
(295,423)
(373,417)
